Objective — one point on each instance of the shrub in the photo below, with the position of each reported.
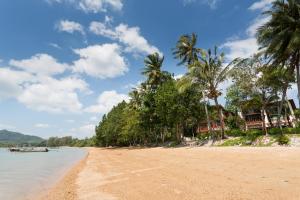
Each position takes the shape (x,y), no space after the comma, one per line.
(253,134)
(283,140)
(275,131)
(203,136)
(242,141)
(235,133)
(291,130)
(297,113)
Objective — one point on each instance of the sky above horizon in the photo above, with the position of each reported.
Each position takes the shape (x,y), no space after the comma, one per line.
(65,63)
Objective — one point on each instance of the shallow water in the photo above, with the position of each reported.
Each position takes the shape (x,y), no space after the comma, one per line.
(24,174)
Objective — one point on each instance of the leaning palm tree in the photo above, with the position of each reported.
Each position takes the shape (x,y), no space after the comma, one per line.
(186,50)
(280,36)
(209,72)
(152,70)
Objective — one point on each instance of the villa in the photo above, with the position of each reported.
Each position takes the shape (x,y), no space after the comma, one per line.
(253,117)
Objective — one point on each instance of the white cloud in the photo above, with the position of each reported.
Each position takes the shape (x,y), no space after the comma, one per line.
(248,46)
(11,82)
(129,36)
(102,61)
(83,131)
(258,22)
(261,5)
(240,48)
(55,45)
(178,76)
(106,101)
(41,125)
(70,121)
(41,64)
(99,5)
(94,6)
(211,3)
(69,26)
(53,95)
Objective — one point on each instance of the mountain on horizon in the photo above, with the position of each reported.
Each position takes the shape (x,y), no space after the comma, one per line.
(15,138)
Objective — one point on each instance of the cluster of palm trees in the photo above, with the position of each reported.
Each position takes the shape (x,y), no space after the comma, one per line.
(279,41)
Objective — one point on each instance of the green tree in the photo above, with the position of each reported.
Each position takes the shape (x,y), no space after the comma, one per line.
(280,36)
(209,72)
(187,52)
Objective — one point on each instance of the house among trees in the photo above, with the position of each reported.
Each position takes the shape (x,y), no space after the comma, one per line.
(252,116)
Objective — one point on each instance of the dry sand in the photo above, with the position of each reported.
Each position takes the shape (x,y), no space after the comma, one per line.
(183,173)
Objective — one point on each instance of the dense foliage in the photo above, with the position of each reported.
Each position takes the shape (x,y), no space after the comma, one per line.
(68,141)
(163,109)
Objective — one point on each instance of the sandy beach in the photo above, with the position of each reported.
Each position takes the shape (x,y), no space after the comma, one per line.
(183,173)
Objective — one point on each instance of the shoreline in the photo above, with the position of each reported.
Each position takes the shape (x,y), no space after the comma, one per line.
(65,187)
(182,173)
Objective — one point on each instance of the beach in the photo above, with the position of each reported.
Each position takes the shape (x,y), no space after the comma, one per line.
(182,173)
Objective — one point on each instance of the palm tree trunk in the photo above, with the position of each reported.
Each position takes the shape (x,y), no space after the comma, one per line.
(263,119)
(298,78)
(281,105)
(220,117)
(207,116)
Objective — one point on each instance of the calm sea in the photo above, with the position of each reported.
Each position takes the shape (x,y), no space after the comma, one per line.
(24,174)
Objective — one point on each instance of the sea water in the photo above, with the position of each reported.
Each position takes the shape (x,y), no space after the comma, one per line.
(25,174)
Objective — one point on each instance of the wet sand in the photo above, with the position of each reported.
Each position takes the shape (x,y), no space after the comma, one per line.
(183,173)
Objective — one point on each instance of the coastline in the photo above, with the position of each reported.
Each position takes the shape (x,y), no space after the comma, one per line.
(182,173)
(65,187)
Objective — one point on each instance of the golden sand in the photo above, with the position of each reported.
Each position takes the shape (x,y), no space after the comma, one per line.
(183,173)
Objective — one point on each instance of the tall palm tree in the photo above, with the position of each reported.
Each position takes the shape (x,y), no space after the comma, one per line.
(152,70)
(187,52)
(280,36)
(209,72)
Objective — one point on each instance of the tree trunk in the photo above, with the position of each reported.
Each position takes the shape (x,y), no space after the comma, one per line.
(263,120)
(207,116)
(281,105)
(298,78)
(220,112)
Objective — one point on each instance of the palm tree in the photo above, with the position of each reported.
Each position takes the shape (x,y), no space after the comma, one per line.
(209,73)
(152,70)
(280,36)
(136,100)
(187,52)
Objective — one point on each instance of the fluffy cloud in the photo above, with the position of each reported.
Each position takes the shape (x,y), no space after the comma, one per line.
(94,6)
(258,22)
(211,3)
(42,64)
(102,61)
(99,5)
(106,101)
(11,82)
(53,95)
(241,48)
(69,26)
(246,47)
(129,36)
(261,5)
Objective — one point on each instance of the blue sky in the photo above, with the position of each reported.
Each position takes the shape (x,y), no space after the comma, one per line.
(64,63)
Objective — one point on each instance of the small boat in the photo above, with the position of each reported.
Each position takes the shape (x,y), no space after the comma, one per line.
(28,149)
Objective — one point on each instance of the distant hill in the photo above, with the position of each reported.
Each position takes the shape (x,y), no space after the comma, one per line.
(13,138)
